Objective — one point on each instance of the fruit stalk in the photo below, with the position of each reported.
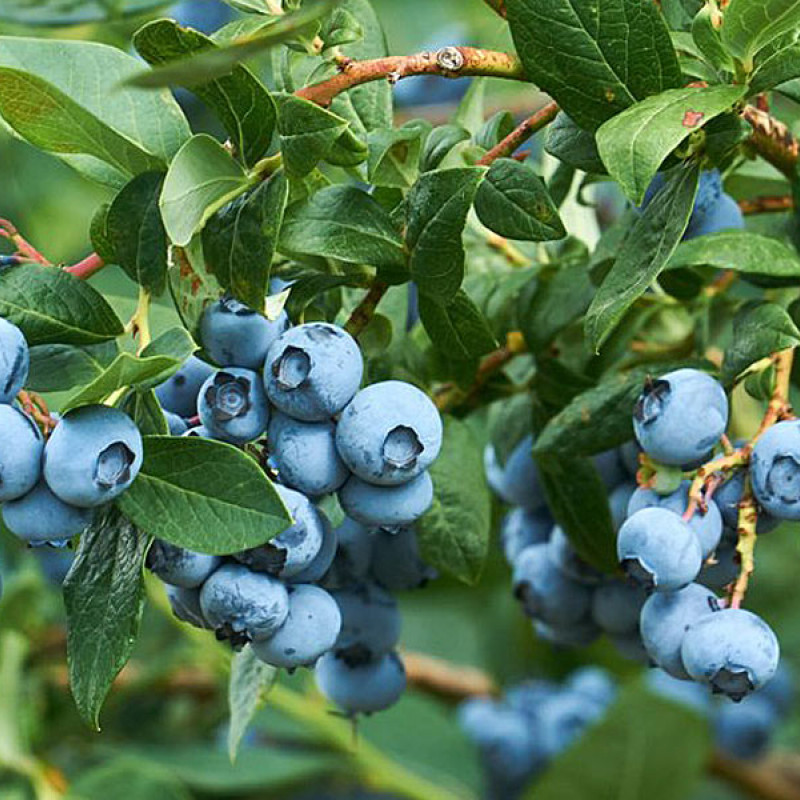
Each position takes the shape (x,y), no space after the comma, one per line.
(84,269)
(746,544)
(449,62)
(365,310)
(773,140)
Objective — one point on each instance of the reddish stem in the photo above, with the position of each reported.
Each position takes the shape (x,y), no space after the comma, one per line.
(86,268)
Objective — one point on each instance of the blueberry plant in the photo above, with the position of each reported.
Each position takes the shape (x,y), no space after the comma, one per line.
(397,347)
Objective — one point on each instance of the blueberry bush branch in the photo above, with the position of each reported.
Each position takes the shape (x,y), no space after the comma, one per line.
(521,134)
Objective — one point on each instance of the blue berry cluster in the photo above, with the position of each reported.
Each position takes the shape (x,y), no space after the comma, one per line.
(518,735)
(49,490)
(714,210)
(313,595)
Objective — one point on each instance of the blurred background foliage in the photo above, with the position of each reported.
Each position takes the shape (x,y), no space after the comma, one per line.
(164,726)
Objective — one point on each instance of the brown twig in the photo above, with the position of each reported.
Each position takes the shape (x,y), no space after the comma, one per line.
(445,680)
(773,140)
(449,62)
(365,310)
(766,204)
(451,396)
(763,780)
(745,545)
(36,407)
(498,6)
(544,116)
(86,268)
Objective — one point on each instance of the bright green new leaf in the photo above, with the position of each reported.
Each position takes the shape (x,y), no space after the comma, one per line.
(750,25)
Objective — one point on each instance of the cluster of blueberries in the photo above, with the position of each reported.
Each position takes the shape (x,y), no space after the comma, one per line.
(666,610)
(49,490)
(313,595)
(520,733)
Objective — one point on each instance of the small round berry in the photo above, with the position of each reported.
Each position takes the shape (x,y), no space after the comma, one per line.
(233,407)
(14,361)
(21,448)
(387,505)
(180,567)
(775,470)
(178,394)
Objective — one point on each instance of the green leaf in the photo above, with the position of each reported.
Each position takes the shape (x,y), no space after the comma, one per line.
(57,367)
(103,598)
(495,129)
(127,778)
(394,154)
(308,133)
(239,240)
(144,409)
(644,746)
(211,64)
(709,40)
(136,233)
(369,106)
(573,145)
(98,234)
(175,343)
(240,101)
(752,24)
(249,685)
(779,67)
(52,13)
(559,299)
(201,179)
(644,253)
(192,286)
(203,495)
(758,331)
(513,201)
(738,250)
(436,212)
(439,143)
(51,306)
(594,59)
(125,370)
(635,143)
(344,223)
(457,328)
(578,501)
(307,288)
(133,129)
(454,534)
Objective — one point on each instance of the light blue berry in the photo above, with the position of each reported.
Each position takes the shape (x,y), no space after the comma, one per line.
(14,361)
(563,555)
(178,393)
(313,371)
(578,634)
(233,407)
(725,215)
(389,433)
(521,528)
(353,558)
(323,560)
(396,562)
(521,485)
(616,606)
(618,503)
(370,622)
(21,447)
(659,550)
(666,616)
(680,416)
(311,629)
(775,470)
(180,567)
(185,605)
(744,730)
(387,505)
(729,495)
(177,425)
(93,455)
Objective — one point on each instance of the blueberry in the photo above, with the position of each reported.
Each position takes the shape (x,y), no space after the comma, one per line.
(323,560)
(387,505)
(775,470)
(616,606)
(178,393)
(729,495)
(370,622)
(618,503)
(494,473)
(594,683)
(232,405)
(578,634)
(666,616)
(177,425)
(93,455)
(198,430)
(629,457)
(180,567)
(686,693)
(396,562)
(234,335)
(680,416)
(310,629)
(610,467)
(726,215)
(527,697)
(521,528)
(21,447)
(744,730)
(185,605)
(243,605)
(659,550)
(521,485)
(40,517)
(630,647)
(313,371)
(707,525)
(353,558)
(733,650)
(724,570)
(305,455)
(294,549)
(547,593)
(707,199)
(389,433)
(509,748)
(779,692)
(563,555)
(361,688)
(564,718)
(14,361)
(206,17)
